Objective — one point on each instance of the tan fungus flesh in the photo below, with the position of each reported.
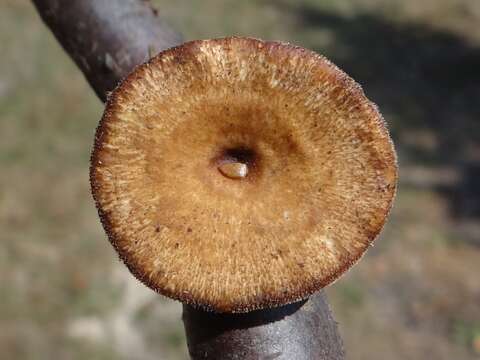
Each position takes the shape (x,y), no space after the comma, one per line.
(321,173)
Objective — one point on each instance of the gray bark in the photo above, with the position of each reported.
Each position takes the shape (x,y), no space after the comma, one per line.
(107,38)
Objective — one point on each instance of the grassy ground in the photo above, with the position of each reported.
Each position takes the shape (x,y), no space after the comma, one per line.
(63,294)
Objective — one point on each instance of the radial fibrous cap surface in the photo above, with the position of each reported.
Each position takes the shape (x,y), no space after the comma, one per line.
(236,174)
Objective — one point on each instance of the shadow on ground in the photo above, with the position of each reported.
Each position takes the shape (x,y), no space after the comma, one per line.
(426,83)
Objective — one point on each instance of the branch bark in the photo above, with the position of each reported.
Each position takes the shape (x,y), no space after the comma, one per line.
(107,39)
(301,331)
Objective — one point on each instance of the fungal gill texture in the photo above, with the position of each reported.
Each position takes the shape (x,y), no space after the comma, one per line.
(309,181)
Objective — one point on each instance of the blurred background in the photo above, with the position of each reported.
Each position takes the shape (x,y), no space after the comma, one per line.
(415,295)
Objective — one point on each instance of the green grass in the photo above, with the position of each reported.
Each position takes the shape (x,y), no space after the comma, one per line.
(464,333)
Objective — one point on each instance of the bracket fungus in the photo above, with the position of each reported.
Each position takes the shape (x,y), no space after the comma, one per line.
(236,174)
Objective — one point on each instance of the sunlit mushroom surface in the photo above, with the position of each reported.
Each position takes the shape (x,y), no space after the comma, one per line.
(236,174)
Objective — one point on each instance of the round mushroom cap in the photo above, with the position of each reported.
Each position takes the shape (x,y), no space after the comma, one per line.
(236,174)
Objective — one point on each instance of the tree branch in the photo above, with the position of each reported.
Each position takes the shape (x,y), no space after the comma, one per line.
(302,331)
(107,39)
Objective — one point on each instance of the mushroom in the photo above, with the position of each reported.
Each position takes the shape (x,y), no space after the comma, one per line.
(236,174)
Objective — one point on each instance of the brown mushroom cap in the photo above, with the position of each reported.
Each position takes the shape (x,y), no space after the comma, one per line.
(320,182)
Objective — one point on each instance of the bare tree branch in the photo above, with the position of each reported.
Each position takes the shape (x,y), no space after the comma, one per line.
(107,39)
(302,331)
